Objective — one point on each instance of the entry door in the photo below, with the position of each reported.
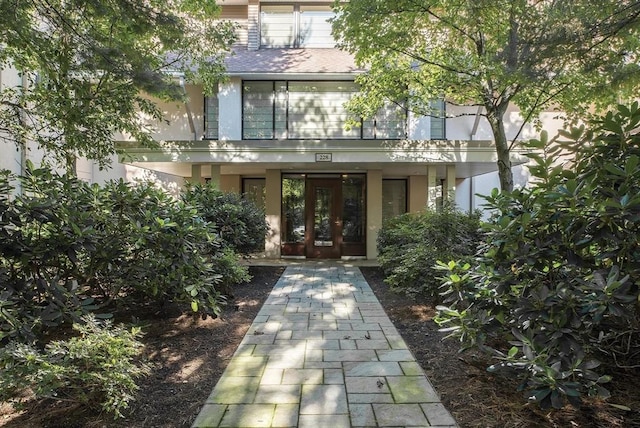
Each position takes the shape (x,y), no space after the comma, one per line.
(323,234)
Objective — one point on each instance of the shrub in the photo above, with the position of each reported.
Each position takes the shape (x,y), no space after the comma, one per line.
(409,246)
(239,222)
(97,369)
(556,287)
(67,247)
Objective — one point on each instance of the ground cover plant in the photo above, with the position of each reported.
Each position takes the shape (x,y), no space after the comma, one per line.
(554,292)
(68,249)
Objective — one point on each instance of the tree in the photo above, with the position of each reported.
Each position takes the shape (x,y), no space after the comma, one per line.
(88,68)
(490,54)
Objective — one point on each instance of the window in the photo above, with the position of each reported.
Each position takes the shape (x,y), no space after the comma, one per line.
(286,26)
(353,209)
(315,28)
(254,190)
(263,110)
(316,110)
(277,26)
(438,117)
(311,110)
(211,117)
(293,208)
(394,198)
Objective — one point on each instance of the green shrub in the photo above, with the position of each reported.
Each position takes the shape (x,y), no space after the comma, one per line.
(239,222)
(556,287)
(409,246)
(97,369)
(67,248)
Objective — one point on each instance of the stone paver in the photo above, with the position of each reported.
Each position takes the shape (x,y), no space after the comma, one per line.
(323,353)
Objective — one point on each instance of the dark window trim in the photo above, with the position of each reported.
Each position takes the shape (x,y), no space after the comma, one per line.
(273,109)
(205,135)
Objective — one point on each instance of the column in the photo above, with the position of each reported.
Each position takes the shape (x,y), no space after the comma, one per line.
(417,193)
(432,190)
(374,211)
(196,174)
(273,202)
(215,176)
(450,184)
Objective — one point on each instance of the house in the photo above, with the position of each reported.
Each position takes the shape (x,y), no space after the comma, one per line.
(276,131)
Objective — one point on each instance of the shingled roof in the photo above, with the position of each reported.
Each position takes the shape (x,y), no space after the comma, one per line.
(291,61)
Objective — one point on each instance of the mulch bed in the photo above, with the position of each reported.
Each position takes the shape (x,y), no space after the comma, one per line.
(189,355)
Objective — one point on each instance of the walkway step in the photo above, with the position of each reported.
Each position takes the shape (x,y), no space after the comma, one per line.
(323,353)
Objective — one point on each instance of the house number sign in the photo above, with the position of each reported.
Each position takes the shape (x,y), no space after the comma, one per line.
(323,157)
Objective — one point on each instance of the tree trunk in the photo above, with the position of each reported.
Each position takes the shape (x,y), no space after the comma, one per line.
(495,117)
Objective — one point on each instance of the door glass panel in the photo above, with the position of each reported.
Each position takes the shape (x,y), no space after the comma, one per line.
(293,209)
(322,218)
(353,220)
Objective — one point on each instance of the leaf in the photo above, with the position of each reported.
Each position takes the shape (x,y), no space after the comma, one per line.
(194,306)
(620,407)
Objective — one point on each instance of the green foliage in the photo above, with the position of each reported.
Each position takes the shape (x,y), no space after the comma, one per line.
(68,248)
(89,66)
(492,54)
(97,369)
(239,222)
(410,245)
(556,287)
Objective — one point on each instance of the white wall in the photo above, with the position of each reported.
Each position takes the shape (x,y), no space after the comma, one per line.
(468,189)
(460,124)
(230,110)
(419,127)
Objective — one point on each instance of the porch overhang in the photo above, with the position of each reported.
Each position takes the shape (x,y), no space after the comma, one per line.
(393,157)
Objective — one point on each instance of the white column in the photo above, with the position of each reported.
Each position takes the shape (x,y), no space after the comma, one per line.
(273,197)
(450,183)
(196,174)
(215,176)
(417,193)
(432,191)
(374,211)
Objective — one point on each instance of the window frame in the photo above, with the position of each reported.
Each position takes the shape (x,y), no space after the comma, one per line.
(296,21)
(285,132)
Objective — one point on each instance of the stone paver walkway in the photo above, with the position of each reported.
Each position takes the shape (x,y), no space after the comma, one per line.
(323,353)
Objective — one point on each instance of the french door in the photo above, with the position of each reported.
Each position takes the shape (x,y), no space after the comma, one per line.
(323,235)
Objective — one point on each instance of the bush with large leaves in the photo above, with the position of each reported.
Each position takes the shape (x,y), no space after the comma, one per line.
(67,247)
(239,222)
(556,288)
(409,246)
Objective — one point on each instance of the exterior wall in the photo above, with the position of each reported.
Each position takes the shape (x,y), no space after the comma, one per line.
(468,189)
(230,108)
(374,211)
(460,124)
(231,183)
(417,193)
(238,14)
(419,128)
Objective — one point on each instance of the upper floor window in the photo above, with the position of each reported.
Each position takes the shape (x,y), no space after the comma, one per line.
(286,26)
(310,110)
(438,118)
(211,117)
